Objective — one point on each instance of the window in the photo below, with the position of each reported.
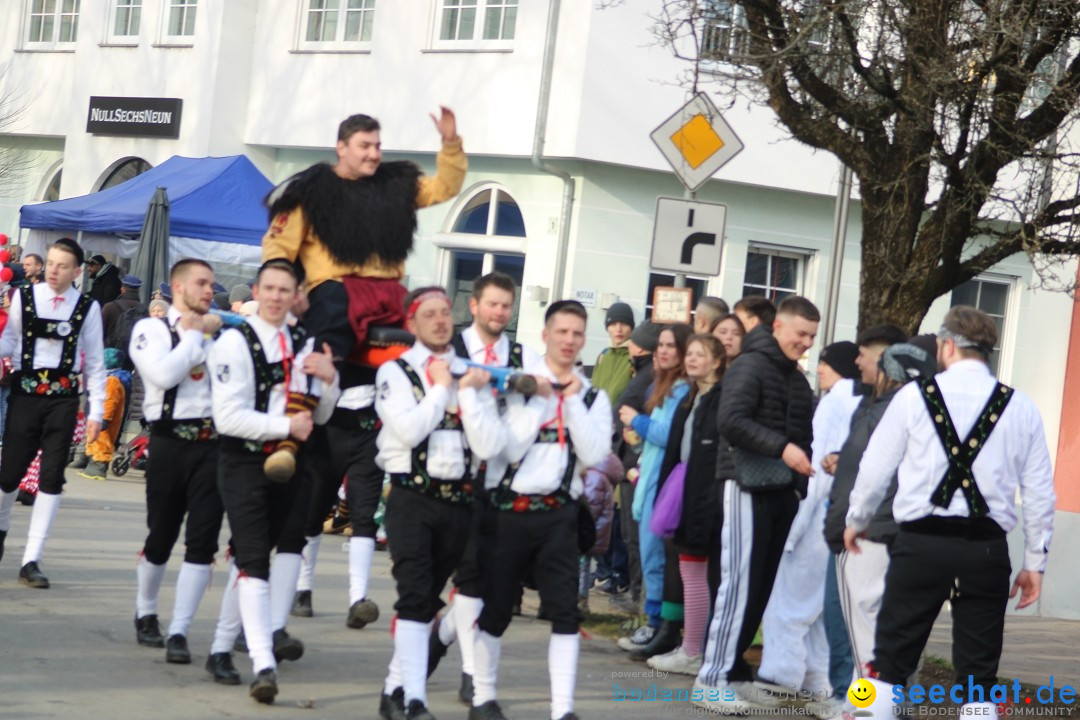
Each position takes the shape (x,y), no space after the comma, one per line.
(52,23)
(52,190)
(725,36)
(486,234)
(339,21)
(460,19)
(127,17)
(772,273)
(696,285)
(181,18)
(125,171)
(992,297)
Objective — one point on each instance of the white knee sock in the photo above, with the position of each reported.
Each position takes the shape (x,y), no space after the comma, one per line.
(41,519)
(361,550)
(411,649)
(254,596)
(7,504)
(149,577)
(228,624)
(307,569)
(486,667)
(283,574)
(393,674)
(190,587)
(562,668)
(447,625)
(466,611)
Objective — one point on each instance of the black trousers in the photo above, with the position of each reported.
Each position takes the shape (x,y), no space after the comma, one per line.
(327,318)
(927,569)
(343,449)
(37,422)
(673,587)
(467,578)
(428,537)
(629,529)
(262,514)
(510,542)
(181,479)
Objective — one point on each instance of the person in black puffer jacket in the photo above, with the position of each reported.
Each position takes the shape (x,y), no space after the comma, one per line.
(766,409)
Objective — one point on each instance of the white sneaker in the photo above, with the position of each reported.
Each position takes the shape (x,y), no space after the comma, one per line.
(757,695)
(779,692)
(676,661)
(723,700)
(641,637)
(826,709)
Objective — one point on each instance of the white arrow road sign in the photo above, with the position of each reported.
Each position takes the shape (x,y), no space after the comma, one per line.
(688,236)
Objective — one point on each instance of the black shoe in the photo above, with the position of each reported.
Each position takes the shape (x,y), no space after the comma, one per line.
(465,692)
(613,587)
(515,610)
(666,639)
(26,498)
(148,632)
(286,647)
(264,689)
(418,711)
(240,644)
(392,706)
(31,576)
(361,613)
(3,537)
(176,650)
(488,711)
(436,649)
(301,606)
(569,716)
(220,665)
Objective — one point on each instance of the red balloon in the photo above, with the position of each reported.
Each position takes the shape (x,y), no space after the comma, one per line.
(3,239)
(6,274)
(5,256)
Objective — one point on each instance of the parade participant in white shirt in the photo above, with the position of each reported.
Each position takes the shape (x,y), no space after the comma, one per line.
(485,341)
(431,434)
(181,477)
(960,446)
(257,369)
(532,513)
(53,333)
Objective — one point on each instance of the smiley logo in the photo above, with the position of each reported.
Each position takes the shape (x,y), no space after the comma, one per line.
(861,693)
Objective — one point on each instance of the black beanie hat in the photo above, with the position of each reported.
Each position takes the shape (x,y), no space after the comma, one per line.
(620,312)
(840,356)
(646,336)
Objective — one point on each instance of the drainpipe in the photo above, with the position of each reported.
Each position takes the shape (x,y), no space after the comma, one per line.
(538,151)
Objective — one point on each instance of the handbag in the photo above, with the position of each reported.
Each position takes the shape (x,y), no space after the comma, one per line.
(757,472)
(667,510)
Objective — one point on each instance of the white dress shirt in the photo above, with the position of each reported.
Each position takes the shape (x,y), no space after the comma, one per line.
(478,350)
(407,421)
(163,367)
(906,442)
(90,349)
(542,465)
(233,384)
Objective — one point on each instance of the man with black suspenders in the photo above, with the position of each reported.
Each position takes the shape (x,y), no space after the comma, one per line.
(181,479)
(430,434)
(485,342)
(960,444)
(53,334)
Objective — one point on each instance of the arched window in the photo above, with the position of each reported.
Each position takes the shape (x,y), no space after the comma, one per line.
(51,189)
(486,232)
(124,171)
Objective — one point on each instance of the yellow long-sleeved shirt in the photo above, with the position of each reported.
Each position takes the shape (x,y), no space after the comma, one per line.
(292,237)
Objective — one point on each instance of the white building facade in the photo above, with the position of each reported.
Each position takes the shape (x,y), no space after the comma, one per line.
(272,79)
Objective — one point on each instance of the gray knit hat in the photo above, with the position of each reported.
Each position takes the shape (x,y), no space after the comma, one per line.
(904,361)
(646,336)
(620,312)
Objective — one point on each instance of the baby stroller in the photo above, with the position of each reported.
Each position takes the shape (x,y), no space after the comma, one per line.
(134,453)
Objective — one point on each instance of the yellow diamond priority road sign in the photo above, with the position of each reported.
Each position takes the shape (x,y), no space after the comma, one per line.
(697,141)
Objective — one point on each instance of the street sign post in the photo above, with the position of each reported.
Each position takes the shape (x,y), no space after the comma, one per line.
(697,141)
(688,236)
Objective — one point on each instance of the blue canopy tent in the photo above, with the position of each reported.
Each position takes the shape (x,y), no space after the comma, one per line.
(216,213)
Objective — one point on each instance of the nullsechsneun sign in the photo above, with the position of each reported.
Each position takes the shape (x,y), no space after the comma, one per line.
(136,116)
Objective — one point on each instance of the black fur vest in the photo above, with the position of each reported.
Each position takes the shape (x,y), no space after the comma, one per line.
(355,219)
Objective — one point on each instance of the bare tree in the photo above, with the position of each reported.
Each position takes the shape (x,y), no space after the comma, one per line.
(954,115)
(15,163)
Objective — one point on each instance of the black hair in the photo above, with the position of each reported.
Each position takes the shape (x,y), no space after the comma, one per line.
(354,124)
(70,246)
(758,306)
(573,307)
(881,334)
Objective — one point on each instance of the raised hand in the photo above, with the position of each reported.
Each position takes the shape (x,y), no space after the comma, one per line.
(446,123)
